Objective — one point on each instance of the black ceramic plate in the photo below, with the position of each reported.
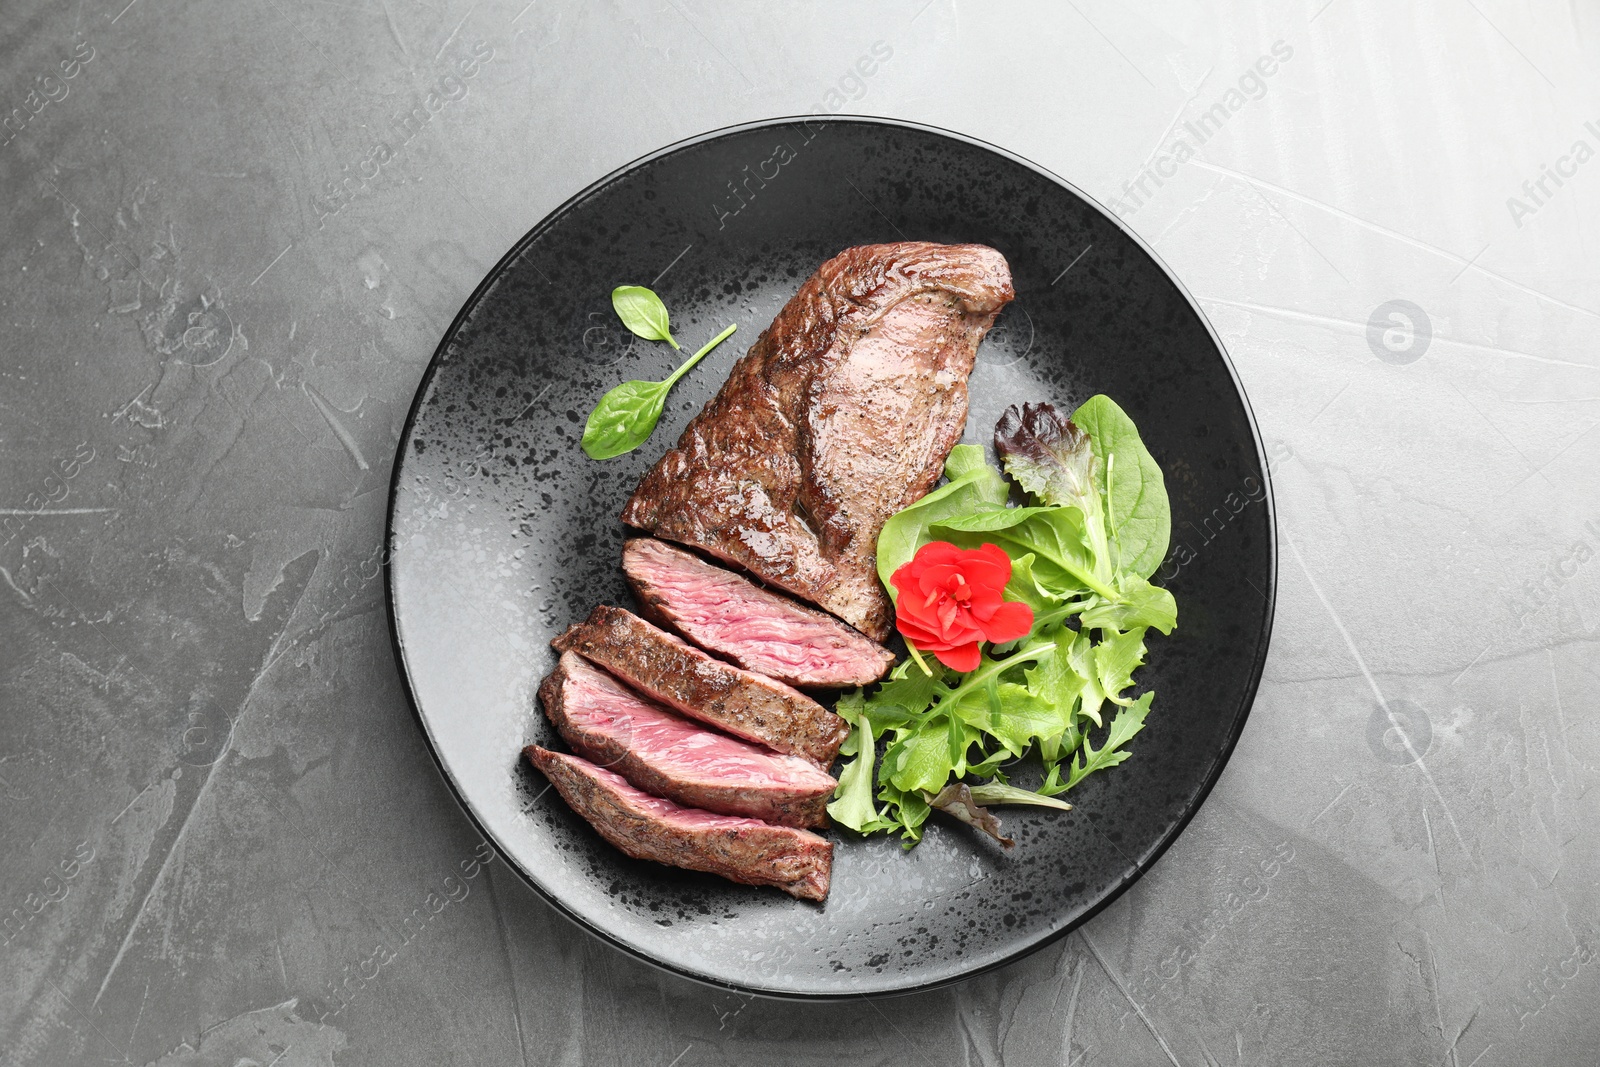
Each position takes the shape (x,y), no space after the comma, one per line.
(502,532)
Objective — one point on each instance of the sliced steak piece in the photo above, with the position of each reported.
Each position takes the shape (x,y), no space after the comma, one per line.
(684,678)
(663,753)
(841,414)
(759,630)
(649,828)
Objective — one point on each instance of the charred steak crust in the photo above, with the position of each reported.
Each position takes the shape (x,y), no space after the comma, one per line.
(669,756)
(762,631)
(648,828)
(689,681)
(841,414)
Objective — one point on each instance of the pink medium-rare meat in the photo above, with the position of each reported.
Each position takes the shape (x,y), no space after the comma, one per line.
(758,629)
(841,414)
(649,828)
(665,754)
(687,680)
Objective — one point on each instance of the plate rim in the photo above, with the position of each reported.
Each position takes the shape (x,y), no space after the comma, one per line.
(1138,867)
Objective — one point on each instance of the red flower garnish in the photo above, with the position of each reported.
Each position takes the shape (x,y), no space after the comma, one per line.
(950,599)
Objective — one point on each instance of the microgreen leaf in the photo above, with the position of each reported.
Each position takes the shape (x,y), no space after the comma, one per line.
(627,415)
(1047,455)
(642,312)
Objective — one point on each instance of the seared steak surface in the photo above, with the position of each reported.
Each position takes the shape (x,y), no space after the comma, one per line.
(759,630)
(665,754)
(649,828)
(687,680)
(841,414)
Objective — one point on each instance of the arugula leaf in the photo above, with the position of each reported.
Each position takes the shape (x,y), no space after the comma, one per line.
(1056,682)
(1128,722)
(1139,512)
(1021,717)
(973,485)
(908,690)
(643,313)
(1081,655)
(910,810)
(627,415)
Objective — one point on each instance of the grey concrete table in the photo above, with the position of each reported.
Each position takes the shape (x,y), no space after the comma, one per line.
(219,298)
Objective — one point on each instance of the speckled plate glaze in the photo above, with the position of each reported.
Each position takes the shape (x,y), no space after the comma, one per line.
(501,532)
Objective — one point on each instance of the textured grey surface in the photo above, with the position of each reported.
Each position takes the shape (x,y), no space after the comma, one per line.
(224,840)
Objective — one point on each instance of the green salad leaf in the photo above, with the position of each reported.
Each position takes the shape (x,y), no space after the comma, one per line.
(627,415)
(1139,513)
(973,485)
(1064,557)
(852,804)
(1001,793)
(1080,547)
(1112,751)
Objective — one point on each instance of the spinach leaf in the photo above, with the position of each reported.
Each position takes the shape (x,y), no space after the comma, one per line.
(1064,560)
(627,415)
(1140,517)
(642,312)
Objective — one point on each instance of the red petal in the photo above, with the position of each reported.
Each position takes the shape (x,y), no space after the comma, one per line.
(936,552)
(963,658)
(984,602)
(940,575)
(915,631)
(1011,621)
(904,576)
(996,555)
(981,574)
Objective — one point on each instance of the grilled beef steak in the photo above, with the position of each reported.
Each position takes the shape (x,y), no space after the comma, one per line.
(759,630)
(649,828)
(665,754)
(684,678)
(841,414)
